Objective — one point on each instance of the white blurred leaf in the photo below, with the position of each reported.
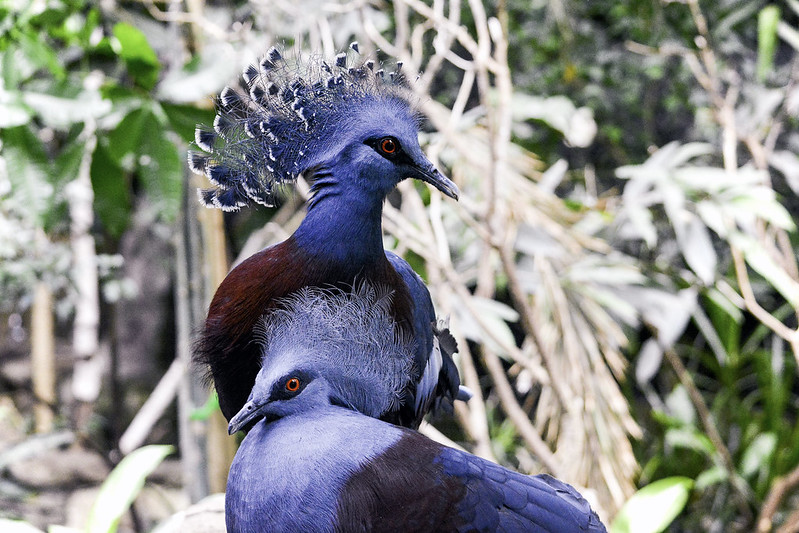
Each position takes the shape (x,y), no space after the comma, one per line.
(788,164)
(760,261)
(697,249)
(621,308)
(765,206)
(552,177)
(493,323)
(680,406)
(218,64)
(17,526)
(639,225)
(758,453)
(577,124)
(666,312)
(12,112)
(682,153)
(537,242)
(648,361)
(725,304)
(602,269)
(62,113)
(713,217)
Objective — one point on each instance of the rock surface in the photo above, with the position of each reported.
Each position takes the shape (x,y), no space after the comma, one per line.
(206,516)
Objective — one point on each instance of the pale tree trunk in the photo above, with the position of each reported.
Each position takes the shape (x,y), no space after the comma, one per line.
(206,447)
(87,370)
(43,371)
(221,447)
(188,313)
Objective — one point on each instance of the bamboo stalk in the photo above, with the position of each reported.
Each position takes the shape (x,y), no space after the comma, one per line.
(87,369)
(221,447)
(43,371)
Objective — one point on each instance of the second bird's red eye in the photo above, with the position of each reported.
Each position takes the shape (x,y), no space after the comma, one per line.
(292,385)
(389,145)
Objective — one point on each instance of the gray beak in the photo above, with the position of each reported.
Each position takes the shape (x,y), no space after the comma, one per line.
(431,175)
(248,413)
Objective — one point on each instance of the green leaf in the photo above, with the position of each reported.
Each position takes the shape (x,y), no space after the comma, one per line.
(127,137)
(654,507)
(767,21)
(710,477)
(122,485)
(40,54)
(139,57)
(689,437)
(111,192)
(727,319)
(140,144)
(161,171)
(184,119)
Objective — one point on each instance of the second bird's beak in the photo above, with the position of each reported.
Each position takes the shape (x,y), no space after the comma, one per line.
(243,418)
(431,175)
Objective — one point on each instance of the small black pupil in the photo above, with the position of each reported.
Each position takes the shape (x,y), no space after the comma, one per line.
(388,145)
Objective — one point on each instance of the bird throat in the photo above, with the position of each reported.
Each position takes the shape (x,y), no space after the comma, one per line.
(342,230)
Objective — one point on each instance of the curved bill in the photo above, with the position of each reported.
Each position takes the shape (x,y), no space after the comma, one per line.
(438,180)
(244,418)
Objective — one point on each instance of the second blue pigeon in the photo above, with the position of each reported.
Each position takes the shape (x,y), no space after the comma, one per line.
(314,462)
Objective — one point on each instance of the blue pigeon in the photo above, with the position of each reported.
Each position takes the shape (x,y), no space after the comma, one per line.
(352,132)
(314,461)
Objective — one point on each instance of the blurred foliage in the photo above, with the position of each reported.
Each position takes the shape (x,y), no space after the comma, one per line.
(72,83)
(122,485)
(649,190)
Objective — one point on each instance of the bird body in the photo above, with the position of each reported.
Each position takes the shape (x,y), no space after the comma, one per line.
(352,133)
(317,458)
(333,469)
(249,291)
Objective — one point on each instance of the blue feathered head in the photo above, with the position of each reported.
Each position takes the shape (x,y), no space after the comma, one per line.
(346,339)
(285,119)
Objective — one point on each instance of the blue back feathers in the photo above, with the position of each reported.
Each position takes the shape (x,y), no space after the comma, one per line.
(285,119)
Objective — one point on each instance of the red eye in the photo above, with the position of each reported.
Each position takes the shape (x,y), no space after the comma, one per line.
(389,145)
(293,385)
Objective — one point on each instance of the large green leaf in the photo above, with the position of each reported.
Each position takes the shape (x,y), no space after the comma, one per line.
(140,144)
(111,192)
(184,119)
(767,21)
(654,507)
(122,485)
(139,57)
(161,172)
(127,137)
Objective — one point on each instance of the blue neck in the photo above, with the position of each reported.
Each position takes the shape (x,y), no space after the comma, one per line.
(343,224)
